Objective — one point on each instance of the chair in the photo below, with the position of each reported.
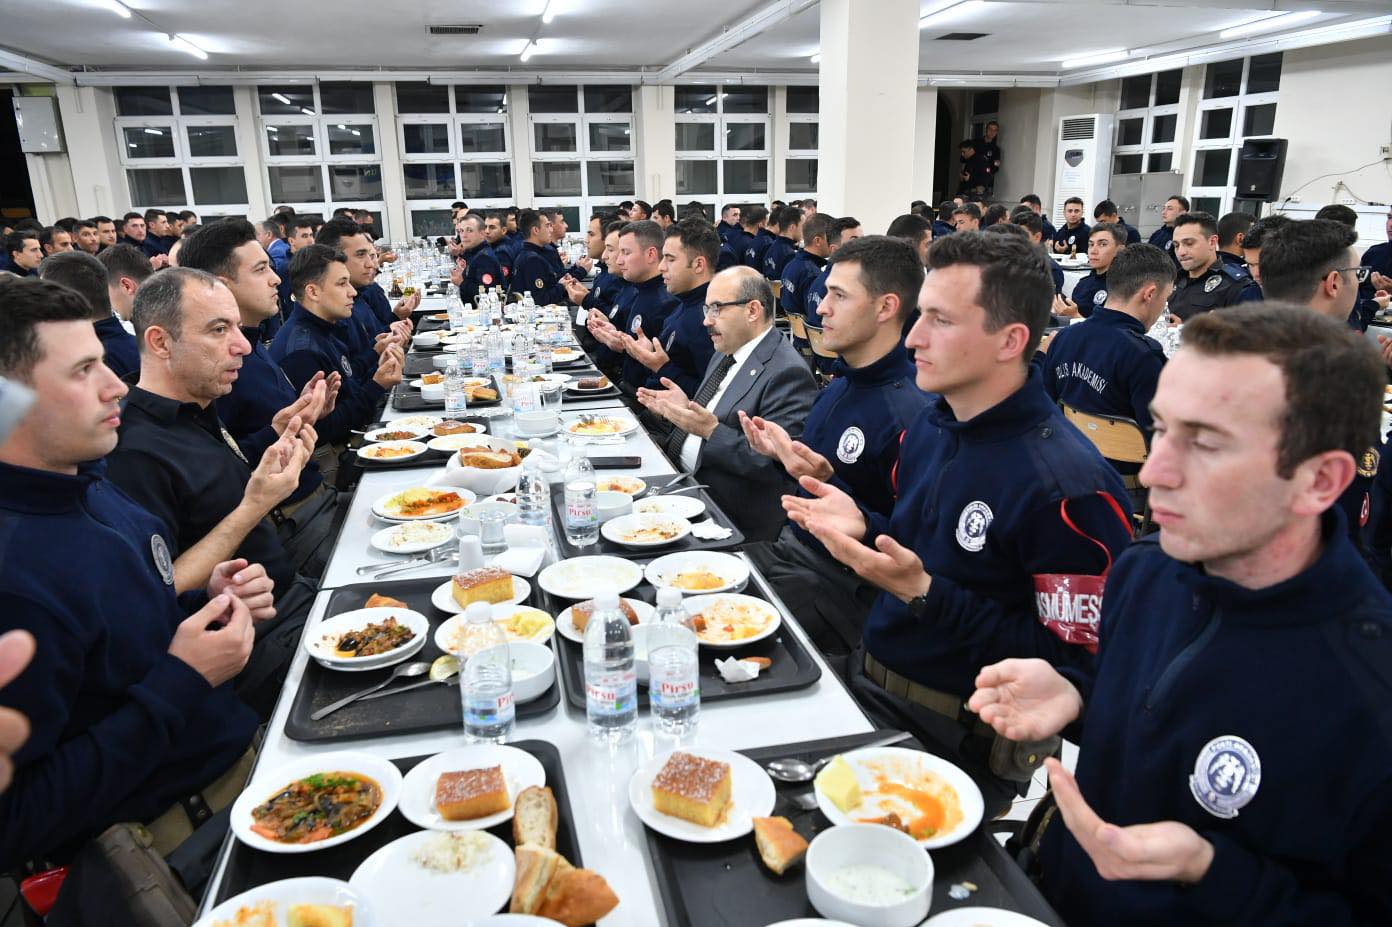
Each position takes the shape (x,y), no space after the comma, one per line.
(777,286)
(1120,441)
(798,326)
(822,357)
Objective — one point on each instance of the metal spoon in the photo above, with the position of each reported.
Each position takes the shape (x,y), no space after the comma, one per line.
(792,769)
(404,671)
(442,554)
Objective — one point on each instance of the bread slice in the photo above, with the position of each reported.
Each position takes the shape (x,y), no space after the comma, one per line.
(578,897)
(483,458)
(580,613)
(376,600)
(534,818)
(535,868)
(471,793)
(779,845)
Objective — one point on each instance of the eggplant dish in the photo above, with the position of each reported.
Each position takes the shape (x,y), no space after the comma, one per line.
(317,807)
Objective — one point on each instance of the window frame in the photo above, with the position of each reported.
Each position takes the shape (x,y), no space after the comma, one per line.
(1239,104)
(182,159)
(1148,115)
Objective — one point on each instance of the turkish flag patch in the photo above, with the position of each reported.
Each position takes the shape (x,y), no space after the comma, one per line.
(487,279)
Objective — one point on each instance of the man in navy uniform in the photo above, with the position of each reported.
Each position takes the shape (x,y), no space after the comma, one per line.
(974,176)
(559,229)
(942,220)
(603,244)
(1256,237)
(1210,789)
(988,147)
(966,218)
(757,237)
(126,268)
(80,271)
(1107,365)
(806,265)
(1379,258)
(1369,302)
(477,267)
(682,351)
(916,230)
(1036,206)
(1232,232)
(374,327)
(1163,237)
(1034,225)
(996,492)
(504,246)
(1107,212)
(644,304)
(852,435)
(534,272)
(23,253)
(729,222)
(1205,282)
(842,231)
(1104,243)
(781,250)
(1075,231)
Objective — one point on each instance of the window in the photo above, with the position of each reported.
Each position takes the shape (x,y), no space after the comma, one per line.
(1147,122)
(803,100)
(582,148)
(179,148)
(722,141)
(320,144)
(804,137)
(1239,102)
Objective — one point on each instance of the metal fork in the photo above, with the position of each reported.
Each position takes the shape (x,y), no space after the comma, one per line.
(438,555)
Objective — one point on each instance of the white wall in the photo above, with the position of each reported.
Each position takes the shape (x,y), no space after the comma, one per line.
(925,146)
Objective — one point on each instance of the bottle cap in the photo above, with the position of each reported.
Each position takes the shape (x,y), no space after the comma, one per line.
(607,600)
(480,611)
(668,597)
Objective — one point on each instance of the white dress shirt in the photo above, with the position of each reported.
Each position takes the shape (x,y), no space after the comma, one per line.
(691,448)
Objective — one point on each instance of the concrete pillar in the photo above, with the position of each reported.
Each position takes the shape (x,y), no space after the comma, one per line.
(520,124)
(925,144)
(655,146)
(869,83)
(249,133)
(98,181)
(393,180)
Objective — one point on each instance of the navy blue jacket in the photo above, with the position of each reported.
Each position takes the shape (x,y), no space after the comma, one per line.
(1073,237)
(857,424)
(813,294)
(507,249)
(482,269)
(648,307)
(534,271)
(1163,238)
(120,729)
(622,297)
(1296,677)
(359,333)
(279,253)
(727,258)
(797,278)
(575,270)
(1105,366)
(687,342)
(377,300)
(122,354)
(979,502)
(1132,236)
(755,247)
(604,290)
(1057,273)
(737,241)
(725,230)
(151,246)
(942,229)
(305,346)
(262,390)
(1090,293)
(776,257)
(1379,258)
(1049,229)
(1221,285)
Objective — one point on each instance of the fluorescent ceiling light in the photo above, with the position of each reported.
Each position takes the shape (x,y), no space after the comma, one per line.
(1102,57)
(282,98)
(117,7)
(272,129)
(153,132)
(1268,24)
(184,45)
(816,56)
(549,13)
(306,110)
(530,48)
(944,6)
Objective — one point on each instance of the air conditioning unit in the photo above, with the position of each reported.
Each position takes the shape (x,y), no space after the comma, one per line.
(1084,164)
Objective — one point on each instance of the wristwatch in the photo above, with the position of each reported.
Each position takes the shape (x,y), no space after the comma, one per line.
(918,605)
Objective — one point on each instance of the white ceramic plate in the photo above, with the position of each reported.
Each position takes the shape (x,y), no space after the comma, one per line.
(419,383)
(319,639)
(443,599)
(702,604)
(451,443)
(911,762)
(733,570)
(376,434)
(375,451)
(267,784)
(585,577)
(379,506)
(630,486)
(621,530)
(626,425)
(388,540)
(565,626)
(687,507)
(575,386)
(287,892)
(566,356)
(513,920)
(981,917)
(422,422)
(520,770)
(412,896)
(446,633)
(752,795)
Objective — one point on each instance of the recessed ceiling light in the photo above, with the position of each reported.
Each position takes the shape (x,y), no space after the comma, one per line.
(1102,57)
(549,13)
(184,45)
(1269,23)
(117,7)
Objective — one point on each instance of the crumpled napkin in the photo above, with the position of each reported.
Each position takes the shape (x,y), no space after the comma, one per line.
(709,531)
(733,670)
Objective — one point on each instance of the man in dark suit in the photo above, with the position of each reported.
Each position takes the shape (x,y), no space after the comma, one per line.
(755,370)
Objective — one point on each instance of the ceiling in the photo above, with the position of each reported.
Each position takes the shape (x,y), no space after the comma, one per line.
(1022,36)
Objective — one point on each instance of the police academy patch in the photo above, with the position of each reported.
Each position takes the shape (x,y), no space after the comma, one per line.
(851,445)
(1368,462)
(972,525)
(1227,774)
(539,284)
(159,550)
(1212,283)
(1099,297)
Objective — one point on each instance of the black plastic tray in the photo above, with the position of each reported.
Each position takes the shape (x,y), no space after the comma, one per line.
(406,398)
(726,883)
(431,457)
(605,546)
(792,668)
(247,868)
(430,708)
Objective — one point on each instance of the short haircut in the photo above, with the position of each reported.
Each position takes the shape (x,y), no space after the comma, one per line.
(887,265)
(132,215)
(528,221)
(1233,225)
(789,215)
(25,304)
(550,212)
(697,238)
(970,209)
(643,205)
(46,236)
(29,224)
(647,232)
(1262,229)
(475,220)
(1009,229)
(839,227)
(1033,200)
(125,260)
(153,214)
(753,215)
(995,213)
(816,225)
(1104,208)
(15,240)
(665,210)
(82,224)
(82,273)
(1296,257)
(1017,286)
(945,210)
(300,222)
(211,248)
(160,300)
(615,226)
(459,204)
(752,286)
(1338,212)
(1029,220)
(99,220)
(361,214)
(188,215)
(967,143)
(189,229)
(910,228)
(343,212)
(1203,220)
(1183,201)
(66,223)
(1110,228)
(310,264)
(1333,379)
(1073,199)
(333,232)
(1136,266)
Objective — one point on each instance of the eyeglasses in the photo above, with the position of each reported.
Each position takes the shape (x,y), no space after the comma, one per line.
(713,309)
(1361,274)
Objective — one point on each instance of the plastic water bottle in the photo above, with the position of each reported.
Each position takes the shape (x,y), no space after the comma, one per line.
(581,514)
(456,396)
(611,681)
(478,358)
(496,342)
(533,495)
(674,685)
(486,681)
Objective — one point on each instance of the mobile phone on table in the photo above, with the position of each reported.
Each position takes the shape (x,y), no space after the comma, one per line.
(616,463)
